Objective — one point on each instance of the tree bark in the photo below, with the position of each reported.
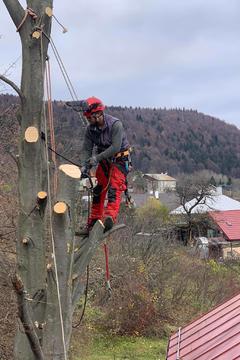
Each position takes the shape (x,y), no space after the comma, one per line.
(32,165)
(44,283)
(64,239)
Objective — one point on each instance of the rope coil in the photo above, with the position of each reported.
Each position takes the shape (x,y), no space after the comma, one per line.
(29,12)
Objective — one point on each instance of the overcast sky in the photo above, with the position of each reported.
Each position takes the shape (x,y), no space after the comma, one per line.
(148,53)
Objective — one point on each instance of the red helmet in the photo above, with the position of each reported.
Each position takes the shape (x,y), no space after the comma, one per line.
(94,105)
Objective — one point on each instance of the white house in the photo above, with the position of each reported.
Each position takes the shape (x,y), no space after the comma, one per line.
(159,183)
(217,202)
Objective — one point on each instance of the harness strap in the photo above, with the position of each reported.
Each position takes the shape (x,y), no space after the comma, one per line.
(122,154)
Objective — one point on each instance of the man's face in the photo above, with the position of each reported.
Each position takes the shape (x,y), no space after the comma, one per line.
(96,119)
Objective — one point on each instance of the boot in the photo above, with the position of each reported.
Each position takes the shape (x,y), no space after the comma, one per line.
(84,231)
(108,223)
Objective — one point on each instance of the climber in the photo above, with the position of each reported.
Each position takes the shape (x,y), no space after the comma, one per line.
(112,160)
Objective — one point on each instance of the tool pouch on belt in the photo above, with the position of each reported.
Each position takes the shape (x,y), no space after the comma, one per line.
(123,161)
(123,164)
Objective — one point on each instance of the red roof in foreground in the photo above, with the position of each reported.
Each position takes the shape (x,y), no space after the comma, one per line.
(215,335)
(228,222)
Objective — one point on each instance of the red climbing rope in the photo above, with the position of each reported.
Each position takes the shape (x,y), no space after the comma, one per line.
(106,252)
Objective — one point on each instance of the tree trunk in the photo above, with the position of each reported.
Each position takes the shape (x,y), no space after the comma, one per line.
(32,166)
(60,277)
(47,294)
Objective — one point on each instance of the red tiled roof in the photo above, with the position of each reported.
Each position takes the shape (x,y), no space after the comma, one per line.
(228,222)
(215,335)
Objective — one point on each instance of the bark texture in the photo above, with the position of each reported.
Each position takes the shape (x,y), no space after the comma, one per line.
(39,283)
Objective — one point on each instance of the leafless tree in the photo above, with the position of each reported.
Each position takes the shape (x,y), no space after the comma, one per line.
(197,188)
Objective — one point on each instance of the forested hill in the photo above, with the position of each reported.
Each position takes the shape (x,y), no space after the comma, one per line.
(172,141)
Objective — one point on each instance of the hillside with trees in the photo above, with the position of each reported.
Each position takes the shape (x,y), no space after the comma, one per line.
(173,141)
(157,283)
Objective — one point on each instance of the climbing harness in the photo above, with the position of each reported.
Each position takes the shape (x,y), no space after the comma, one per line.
(122,154)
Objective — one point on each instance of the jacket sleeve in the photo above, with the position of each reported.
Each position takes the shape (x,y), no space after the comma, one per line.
(87,148)
(117,135)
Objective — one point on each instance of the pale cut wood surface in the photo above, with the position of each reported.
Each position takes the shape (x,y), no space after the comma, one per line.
(60,208)
(71,170)
(31,134)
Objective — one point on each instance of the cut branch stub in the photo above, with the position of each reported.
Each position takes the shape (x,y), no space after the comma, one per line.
(42,195)
(26,240)
(49,266)
(60,207)
(36,34)
(71,170)
(48,11)
(31,134)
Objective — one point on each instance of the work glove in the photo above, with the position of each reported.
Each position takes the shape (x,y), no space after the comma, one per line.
(93,161)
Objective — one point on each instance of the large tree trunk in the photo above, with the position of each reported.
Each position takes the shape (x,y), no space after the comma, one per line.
(31,264)
(48,288)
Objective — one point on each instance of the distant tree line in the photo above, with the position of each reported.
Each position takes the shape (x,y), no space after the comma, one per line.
(173,141)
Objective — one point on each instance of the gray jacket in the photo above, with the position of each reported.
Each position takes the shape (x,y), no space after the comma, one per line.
(109,140)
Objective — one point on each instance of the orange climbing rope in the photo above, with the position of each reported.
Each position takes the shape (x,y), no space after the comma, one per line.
(51,123)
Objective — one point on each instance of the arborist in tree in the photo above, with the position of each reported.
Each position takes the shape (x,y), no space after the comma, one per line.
(112,159)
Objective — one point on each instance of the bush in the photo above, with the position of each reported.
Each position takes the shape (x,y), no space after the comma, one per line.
(153,297)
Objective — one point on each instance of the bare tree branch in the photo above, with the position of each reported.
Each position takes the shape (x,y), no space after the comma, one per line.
(106,234)
(87,249)
(24,315)
(15,10)
(78,291)
(13,85)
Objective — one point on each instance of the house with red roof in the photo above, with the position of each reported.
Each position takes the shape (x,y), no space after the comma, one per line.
(228,223)
(213,336)
(223,238)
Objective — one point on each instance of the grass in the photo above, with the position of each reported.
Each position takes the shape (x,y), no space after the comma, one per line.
(103,347)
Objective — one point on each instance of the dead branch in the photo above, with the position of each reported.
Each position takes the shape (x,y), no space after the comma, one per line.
(88,247)
(13,85)
(24,315)
(86,251)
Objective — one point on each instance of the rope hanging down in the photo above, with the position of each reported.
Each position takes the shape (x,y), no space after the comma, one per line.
(85,302)
(65,75)
(50,217)
(51,124)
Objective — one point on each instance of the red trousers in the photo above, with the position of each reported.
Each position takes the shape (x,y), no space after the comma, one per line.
(111,181)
